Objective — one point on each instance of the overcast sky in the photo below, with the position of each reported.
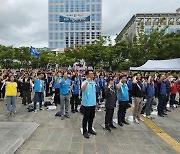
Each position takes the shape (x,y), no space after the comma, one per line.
(25,22)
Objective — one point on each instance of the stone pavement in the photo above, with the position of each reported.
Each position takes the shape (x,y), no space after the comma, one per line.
(55,136)
(13,134)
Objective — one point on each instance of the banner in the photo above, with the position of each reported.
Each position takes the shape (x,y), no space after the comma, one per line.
(74,18)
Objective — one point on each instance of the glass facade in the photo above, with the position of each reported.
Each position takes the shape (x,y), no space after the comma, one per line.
(74,22)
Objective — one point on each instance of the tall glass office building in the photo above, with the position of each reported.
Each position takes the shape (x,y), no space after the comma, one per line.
(74,22)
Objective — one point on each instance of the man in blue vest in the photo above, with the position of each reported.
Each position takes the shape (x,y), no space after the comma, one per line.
(65,84)
(89,102)
(123,100)
(39,91)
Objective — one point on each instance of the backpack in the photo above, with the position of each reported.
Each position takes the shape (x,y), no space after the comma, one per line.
(30,109)
(58,114)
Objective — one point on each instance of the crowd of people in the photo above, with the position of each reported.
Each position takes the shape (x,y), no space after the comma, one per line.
(90,89)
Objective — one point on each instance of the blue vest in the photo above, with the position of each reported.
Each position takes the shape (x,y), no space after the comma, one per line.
(56,84)
(75,88)
(122,93)
(65,86)
(163,88)
(150,90)
(38,85)
(89,94)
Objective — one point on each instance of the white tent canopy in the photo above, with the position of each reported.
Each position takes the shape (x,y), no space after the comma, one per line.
(159,65)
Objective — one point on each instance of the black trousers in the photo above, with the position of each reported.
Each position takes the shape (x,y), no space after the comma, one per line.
(122,111)
(56,96)
(49,91)
(2,93)
(26,97)
(74,102)
(109,117)
(89,114)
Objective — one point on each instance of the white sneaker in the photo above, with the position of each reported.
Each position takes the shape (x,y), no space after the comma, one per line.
(136,120)
(35,111)
(149,117)
(141,119)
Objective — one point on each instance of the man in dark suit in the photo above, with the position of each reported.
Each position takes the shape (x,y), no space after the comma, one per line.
(110,96)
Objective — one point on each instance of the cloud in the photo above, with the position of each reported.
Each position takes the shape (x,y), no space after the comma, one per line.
(25,22)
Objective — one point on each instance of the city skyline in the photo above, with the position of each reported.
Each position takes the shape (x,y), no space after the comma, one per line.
(25,23)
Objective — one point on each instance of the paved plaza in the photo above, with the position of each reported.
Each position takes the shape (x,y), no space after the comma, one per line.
(56,136)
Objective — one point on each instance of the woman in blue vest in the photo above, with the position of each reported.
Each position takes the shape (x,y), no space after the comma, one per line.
(39,91)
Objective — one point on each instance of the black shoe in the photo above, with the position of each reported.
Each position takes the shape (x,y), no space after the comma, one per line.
(168,110)
(76,110)
(72,111)
(67,116)
(92,132)
(120,124)
(112,126)
(108,128)
(86,135)
(164,113)
(124,122)
(161,115)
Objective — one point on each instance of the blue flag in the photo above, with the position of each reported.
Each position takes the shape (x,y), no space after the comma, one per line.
(34,52)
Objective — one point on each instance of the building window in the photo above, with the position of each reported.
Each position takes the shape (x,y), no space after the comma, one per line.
(93,35)
(93,8)
(61,1)
(72,26)
(147,31)
(98,17)
(171,21)
(50,17)
(77,26)
(56,45)
(87,8)
(61,36)
(98,26)
(92,26)
(61,26)
(50,8)
(56,8)
(56,36)
(87,35)
(92,17)
(98,8)
(61,8)
(148,22)
(178,21)
(51,36)
(98,35)
(61,44)
(67,26)
(56,17)
(87,26)
(82,26)
(51,45)
(56,27)
(50,26)
(155,21)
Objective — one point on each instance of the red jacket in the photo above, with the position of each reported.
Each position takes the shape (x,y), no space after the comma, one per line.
(173,88)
